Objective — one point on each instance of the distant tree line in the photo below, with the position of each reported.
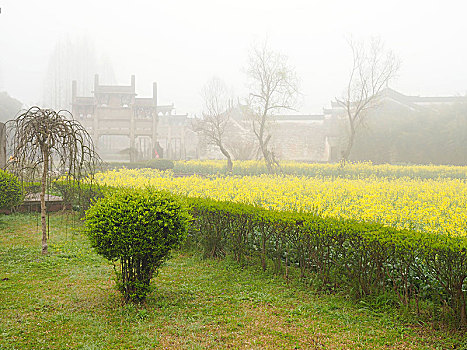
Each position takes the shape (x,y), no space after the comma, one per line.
(9,107)
(432,136)
(74,59)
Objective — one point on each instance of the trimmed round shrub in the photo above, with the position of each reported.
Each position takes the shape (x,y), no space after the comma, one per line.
(136,229)
(10,190)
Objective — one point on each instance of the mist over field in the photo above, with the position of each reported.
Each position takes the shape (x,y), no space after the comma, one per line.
(181,45)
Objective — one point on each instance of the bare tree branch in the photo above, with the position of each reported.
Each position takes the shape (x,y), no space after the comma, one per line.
(216,116)
(273,87)
(373,67)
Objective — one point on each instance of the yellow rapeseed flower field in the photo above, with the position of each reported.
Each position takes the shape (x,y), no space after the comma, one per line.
(354,170)
(438,206)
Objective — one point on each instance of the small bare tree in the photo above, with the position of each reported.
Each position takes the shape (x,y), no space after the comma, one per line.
(44,143)
(373,68)
(216,116)
(243,148)
(273,87)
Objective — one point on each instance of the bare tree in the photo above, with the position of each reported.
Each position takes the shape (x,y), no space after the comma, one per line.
(216,116)
(43,143)
(243,148)
(273,87)
(373,68)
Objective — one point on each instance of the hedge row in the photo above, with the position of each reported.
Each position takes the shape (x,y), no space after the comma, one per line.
(425,272)
(159,164)
(11,193)
(79,195)
(360,258)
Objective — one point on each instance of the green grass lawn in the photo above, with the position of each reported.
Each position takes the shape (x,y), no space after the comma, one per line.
(67,300)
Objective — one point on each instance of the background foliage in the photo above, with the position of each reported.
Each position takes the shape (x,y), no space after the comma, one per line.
(432,136)
(10,190)
(9,107)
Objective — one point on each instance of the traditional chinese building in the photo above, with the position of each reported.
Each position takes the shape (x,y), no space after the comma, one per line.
(123,126)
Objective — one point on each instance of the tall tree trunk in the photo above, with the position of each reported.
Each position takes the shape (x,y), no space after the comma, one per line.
(42,197)
(346,153)
(267,160)
(229,158)
(266,153)
(263,143)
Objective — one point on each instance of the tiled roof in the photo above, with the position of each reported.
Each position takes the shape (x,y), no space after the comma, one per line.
(165,108)
(298,117)
(112,89)
(144,102)
(84,101)
(413,101)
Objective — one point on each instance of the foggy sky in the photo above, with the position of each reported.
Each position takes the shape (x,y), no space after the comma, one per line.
(182,44)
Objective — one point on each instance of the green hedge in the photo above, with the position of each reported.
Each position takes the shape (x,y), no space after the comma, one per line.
(360,258)
(10,190)
(79,195)
(159,164)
